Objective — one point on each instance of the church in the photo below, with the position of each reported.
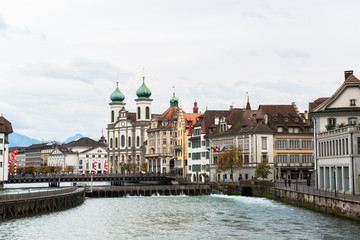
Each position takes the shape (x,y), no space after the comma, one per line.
(127,131)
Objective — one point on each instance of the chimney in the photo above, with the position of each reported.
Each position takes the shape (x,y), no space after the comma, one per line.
(231,107)
(348,73)
(306,114)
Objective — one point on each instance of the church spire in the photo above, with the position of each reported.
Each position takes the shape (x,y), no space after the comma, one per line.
(248,102)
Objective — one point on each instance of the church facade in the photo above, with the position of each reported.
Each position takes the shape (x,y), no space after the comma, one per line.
(127,131)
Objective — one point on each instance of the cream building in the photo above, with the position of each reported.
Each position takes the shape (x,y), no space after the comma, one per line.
(337,138)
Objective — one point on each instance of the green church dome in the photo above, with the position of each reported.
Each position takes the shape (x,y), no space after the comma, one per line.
(143,91)
(117,95)
(174,101)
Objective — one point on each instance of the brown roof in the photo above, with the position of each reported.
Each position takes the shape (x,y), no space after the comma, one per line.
(256,128)
(191,117)
(249,118)
(5,125)
(352,78)
(36,146)
(84,142)
(277,109)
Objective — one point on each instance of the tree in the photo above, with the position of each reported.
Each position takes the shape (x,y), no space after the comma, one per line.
(69,169)
(230,160)
(130,167)
(42,169)
(262,169)
(144,167)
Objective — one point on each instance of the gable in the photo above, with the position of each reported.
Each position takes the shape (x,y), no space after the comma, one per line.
(342,100)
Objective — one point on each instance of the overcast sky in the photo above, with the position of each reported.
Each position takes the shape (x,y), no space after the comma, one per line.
(59,59)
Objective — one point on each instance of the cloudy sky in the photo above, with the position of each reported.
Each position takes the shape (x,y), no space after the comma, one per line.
(59,60)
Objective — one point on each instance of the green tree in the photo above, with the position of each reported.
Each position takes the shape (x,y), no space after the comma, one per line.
(230,159)
(29,169)
(262,169)
(144,167)
(130,167)
(69,169)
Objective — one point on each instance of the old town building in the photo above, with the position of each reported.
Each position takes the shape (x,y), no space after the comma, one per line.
(337,138)
(5,130)
(127,131)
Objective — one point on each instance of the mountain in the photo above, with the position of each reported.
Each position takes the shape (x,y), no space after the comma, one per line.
(19,140)
(76,137)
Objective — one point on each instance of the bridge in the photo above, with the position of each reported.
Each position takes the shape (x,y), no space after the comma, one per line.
(54,180)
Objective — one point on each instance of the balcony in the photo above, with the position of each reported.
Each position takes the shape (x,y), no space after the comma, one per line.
(339,131)
(295,165)
(178,147)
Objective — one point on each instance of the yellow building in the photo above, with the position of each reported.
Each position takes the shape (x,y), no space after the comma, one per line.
(293,141)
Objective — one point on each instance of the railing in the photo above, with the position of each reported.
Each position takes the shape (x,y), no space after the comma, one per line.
(347,129)
(5,196)
(294,164)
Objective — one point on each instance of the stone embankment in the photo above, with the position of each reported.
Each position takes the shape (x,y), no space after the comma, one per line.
(316,200)
(27,204)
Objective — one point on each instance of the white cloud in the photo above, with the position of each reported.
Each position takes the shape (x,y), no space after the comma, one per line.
(59,60)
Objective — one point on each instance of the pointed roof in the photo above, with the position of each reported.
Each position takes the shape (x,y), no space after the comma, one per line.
(5,125)
(84,142)
(248,107)
(352,78)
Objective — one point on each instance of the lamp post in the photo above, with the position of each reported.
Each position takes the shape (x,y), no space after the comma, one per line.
(296,178)
(334,181)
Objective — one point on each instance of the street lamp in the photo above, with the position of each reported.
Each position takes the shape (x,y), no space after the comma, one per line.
(334,181)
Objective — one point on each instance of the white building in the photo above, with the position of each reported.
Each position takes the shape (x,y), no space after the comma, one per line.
(5,130)
(337,138)
(78,152)
(127,131)
(93,160)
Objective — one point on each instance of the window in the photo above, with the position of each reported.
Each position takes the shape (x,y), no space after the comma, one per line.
(352,120)
(164,150)
(116,142)
(332,121)
(352,102)
(137,157)
(189,155)
(139,112)
(1,152)
(263,143)
(147,113)
(280,129)
(99,165)
(122,141)
(164,140)
(1,140)
(129,142)
(111,142)
(189,144)
(137,141)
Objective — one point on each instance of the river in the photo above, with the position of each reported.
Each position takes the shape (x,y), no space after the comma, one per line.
(181,217)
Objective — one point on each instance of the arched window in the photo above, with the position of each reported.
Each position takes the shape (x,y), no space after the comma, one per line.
(111,143)
(147,113)
(137,141)
(122,141)
(116,142)
(129,142)
(139,112)
(112,116)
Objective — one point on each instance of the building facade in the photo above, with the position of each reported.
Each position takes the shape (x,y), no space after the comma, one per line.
(337,138)
(160,137)
(127,131)
(5,130)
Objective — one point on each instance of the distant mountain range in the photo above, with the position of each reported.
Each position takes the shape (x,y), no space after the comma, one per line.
(19,140)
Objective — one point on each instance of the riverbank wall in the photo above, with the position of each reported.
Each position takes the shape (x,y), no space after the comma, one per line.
(150,190)
(27,204)
(339,207)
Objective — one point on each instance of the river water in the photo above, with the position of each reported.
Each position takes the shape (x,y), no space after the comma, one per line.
(181,217)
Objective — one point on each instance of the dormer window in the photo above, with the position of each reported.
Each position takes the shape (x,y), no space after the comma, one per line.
(296,119)
(275,119)
(254,115)
(352,102)
(286,119)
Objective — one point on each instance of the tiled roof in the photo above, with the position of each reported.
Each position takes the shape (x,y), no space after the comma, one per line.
(191,117)
(256,128)
(249,118)
(35,146)
(352,78)
(5,125)
(84,142)
(277,109)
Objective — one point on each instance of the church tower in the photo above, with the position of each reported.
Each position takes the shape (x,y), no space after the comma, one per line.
(117,98)
(143,103)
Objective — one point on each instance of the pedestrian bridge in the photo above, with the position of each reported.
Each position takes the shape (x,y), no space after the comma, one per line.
(117,179)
